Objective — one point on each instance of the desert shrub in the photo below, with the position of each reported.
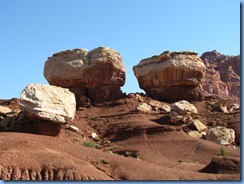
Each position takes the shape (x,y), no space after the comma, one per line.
(222,153)
(104,161)
(91,144)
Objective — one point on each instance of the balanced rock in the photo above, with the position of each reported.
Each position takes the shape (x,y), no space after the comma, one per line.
(47,102)
(182,111)
(221,135)
(97,74)
(171,76)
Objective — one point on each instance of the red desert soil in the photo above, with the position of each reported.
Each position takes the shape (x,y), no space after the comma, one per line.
(132,146)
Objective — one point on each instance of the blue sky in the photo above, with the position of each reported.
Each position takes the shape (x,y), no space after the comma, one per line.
(32,30)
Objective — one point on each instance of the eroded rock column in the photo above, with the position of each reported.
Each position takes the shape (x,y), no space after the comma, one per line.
(97,75)
(171,76)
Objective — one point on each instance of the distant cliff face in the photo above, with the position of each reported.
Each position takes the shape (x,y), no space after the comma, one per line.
(222,76)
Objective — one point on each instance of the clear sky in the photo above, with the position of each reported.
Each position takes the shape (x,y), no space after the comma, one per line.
(32,30)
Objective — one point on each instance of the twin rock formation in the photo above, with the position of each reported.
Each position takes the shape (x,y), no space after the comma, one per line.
(77,76)
(99,74)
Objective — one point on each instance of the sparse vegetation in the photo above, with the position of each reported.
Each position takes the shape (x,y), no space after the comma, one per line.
(91,144)
(94,118)
(75,140)
(222,153)
(104,161)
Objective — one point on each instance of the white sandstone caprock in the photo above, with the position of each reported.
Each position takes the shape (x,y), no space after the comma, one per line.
(47,102)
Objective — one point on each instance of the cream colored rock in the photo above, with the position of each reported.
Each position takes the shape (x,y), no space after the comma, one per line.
(171,75)
(196,134)
(184,107)
(223,108)
(73,128)
(182,111)
(234,107)
(165,108)
(199,126)
(143,107)
(47,102)
(221,135)
(94,135)
(79,68)
(4,110)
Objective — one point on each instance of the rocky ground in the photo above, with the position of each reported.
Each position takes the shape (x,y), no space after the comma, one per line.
(118,141)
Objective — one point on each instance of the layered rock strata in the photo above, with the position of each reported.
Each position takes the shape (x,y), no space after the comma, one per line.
(171,76)
(97,75)
(222,76)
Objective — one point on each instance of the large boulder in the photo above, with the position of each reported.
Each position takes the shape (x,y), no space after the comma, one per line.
(97,74)
(50,103)
(221,135)
(171,76)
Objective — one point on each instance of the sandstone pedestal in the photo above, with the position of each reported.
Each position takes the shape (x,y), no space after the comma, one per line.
(171,76)
(97,75)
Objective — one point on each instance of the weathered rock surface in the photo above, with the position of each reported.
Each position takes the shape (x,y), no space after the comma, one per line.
(222,76)
(143,107)
(47,102)
(171,76)
(182,111)
(97,74)
(196,134)
(198,125)
(4,110)
(221,135)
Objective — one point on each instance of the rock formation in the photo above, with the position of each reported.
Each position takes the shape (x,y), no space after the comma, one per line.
(171,76)
(97,75)
(182,111)
(222,76)
(46,102)
(221,135)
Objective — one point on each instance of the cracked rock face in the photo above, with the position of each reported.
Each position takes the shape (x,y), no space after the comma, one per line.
(97,74)
(47,102)
(222,76)
(79,68)
(171,76)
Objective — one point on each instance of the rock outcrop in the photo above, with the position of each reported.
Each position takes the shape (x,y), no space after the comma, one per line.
(47,102)
(4,110)
(182,111)
(222,76)
(171,76)
(97,74)
(221,135)
(143,107)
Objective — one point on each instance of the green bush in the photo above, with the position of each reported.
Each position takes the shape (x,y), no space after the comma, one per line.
(91,144)
(104,161)
(222,153)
